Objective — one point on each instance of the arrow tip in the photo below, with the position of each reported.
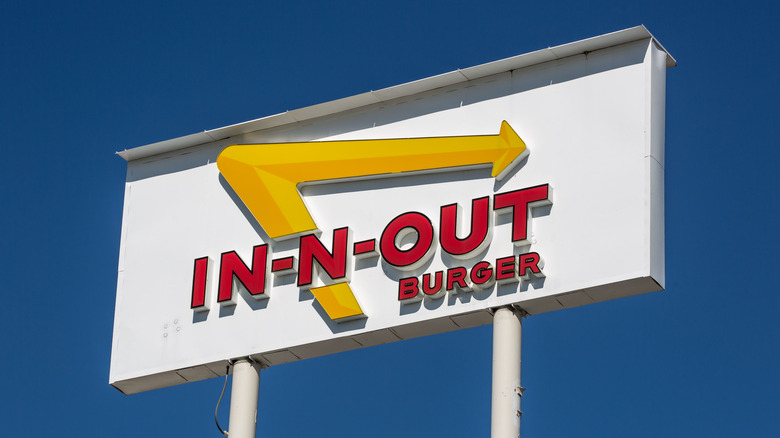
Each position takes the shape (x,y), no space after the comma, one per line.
(516,151)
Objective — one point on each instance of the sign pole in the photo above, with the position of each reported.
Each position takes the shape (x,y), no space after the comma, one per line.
(505,404)
(243,399)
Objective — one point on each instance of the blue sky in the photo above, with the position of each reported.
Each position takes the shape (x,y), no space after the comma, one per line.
(81,80)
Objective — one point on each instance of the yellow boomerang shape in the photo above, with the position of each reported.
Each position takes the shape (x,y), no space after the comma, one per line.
(338,301)
(266,176)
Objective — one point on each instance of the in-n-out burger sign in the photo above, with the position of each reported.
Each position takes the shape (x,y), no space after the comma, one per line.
(267,177)
(394,248)
(224,216)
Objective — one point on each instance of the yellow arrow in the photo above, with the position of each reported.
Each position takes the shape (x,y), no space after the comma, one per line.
(266,176)
(338,301)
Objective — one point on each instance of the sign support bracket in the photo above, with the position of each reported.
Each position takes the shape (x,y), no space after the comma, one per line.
(506,389)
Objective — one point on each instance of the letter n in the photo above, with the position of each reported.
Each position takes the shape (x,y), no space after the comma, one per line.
(253,280)
(333,263)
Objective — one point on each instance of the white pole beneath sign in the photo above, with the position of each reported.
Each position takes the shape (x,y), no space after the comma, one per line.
(243,399)
(505,405)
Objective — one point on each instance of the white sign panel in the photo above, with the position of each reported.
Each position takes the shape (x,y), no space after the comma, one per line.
(535,181)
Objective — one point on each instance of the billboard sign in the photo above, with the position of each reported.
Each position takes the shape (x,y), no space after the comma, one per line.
(398,213)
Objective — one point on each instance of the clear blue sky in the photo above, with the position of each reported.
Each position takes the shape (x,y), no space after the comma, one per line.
(81,80)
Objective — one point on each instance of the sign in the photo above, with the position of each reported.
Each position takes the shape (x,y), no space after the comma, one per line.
(395,214)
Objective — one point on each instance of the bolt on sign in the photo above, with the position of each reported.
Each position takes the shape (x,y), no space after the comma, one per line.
(534,181)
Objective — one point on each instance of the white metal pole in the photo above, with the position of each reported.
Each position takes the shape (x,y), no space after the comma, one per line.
(505,404)
(243,399)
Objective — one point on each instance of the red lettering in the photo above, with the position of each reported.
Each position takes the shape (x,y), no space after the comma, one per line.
(457,276)
(200,284)
(481,274)
(253,279)
(521,201)
(407,288)
(505,269)
(399,228)
(530,264)
(334,264)
(282,264)
(480,228)
(436,288)
(365,247)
